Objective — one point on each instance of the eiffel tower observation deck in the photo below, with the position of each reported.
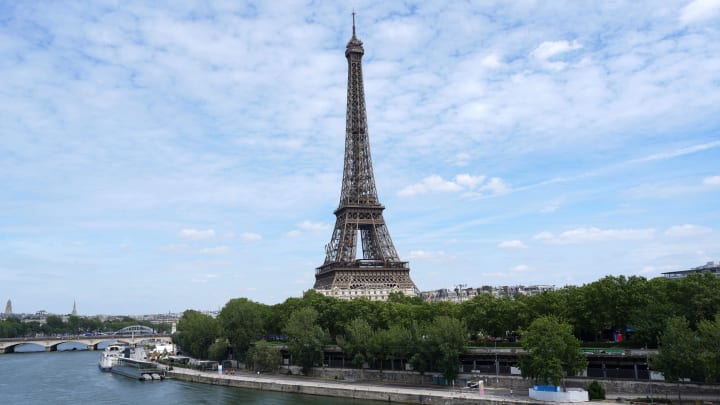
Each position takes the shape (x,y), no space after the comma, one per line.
(380,271)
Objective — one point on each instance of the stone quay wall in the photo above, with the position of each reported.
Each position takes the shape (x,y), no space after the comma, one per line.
(613,388)
(385,393)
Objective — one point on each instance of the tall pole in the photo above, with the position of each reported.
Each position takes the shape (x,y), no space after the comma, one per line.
(497,365)
(647,361)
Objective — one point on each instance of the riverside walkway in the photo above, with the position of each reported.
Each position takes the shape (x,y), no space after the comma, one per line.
(355,390)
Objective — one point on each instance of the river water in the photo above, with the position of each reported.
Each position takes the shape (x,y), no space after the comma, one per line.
(72,377)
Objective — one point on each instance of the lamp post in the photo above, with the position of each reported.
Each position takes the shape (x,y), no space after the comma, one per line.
(497,365)
(647,361)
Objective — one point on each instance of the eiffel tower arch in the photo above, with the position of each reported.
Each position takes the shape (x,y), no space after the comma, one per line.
(379,271)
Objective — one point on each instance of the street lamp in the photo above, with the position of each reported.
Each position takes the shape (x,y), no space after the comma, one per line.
(497,365)
(647,361)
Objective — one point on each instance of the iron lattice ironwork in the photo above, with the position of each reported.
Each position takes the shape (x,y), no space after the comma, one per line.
(380,271)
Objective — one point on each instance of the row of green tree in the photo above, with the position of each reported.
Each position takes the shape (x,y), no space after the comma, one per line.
(14,327)
(689,353)
(421,332)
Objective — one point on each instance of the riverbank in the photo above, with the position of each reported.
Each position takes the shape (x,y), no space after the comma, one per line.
(354,390)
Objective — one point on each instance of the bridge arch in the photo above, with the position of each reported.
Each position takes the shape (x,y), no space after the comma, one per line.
(11,348)
(135,330)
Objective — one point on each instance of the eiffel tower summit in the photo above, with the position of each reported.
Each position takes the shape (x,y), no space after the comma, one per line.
(380,271)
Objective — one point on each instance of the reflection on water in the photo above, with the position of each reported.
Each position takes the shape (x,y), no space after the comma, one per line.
(72,377)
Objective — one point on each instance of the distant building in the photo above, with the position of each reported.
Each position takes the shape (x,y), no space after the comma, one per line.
(461,293)
(162,318)
(74,311)
(709,267)
(8,308)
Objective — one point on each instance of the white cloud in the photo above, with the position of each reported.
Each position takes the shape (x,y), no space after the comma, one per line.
(137,122)
(520,268)
(175,248)
(551,206)
(205,279)
(512,244)
(544,236)
(549,49)
(250,237)
(648,270)
(461,182)
(700,10)
(584,235)
(196,234)
(425,255)
(430,184)
(314,226)
(468,181)
(461,159)
(492,61)
(496,186)
(687,230)
(712,181)
(218,250)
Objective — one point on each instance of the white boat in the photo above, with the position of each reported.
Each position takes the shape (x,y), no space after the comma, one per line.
(138,369)
(110,356)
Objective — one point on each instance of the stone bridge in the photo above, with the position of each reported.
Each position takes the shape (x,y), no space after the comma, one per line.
(50,344)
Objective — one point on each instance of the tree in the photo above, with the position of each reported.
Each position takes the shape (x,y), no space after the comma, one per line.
(195,333)
(696,297)
(218,350)
(449,338)
(596,391)
(55,324)
(551,350)
(73,324)
(439,345)
(305,338)
(356,342)
(264,356)
(677,351)
(710,348)
(242,322)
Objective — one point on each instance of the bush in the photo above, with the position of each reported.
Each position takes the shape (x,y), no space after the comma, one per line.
(596,391)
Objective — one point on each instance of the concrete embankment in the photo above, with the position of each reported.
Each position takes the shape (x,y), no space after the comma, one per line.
(385,393)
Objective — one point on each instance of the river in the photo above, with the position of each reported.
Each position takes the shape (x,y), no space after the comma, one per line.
(72,377)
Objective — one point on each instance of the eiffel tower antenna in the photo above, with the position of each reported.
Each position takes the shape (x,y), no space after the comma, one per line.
(353,23)
(380,271)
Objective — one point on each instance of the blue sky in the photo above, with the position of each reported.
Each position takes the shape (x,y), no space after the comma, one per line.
(160,156)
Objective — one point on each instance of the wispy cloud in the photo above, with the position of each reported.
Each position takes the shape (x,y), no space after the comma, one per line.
(520,268)
(550,49)
(700,11)
(712,181)
(461,182)
(512,244)
(197,234)
(687,230)
(217,250)
(251,237)
(587,235)
(314,226)
(169,127)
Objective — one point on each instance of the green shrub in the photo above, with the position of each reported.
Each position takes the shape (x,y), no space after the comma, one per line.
(596,391)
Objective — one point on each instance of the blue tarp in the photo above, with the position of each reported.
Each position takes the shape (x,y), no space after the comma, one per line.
(547,388)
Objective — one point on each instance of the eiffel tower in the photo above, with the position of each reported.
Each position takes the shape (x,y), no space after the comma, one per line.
(380,271)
